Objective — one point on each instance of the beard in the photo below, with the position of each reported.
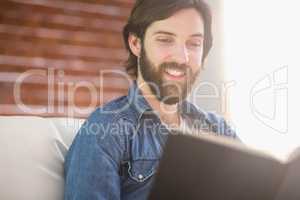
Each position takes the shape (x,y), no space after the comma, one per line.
(167,91)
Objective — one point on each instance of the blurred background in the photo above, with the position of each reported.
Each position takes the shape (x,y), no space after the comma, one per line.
(65,57)
(57,50)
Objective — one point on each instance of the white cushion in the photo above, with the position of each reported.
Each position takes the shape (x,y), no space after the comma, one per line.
(32,151)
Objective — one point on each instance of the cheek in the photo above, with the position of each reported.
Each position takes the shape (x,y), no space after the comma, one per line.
(196,64)
(196,56)
(159,55)
(196,59)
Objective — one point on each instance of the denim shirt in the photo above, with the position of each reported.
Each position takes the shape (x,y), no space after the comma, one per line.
(116,152)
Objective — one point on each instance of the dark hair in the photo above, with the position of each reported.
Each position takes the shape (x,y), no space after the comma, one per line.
(145,12)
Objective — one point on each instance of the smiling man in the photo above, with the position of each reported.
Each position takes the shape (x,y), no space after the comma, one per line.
(116,152)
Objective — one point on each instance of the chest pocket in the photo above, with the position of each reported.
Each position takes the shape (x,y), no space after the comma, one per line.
(142,169)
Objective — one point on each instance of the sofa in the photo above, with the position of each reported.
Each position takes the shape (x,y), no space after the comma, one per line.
(32,156)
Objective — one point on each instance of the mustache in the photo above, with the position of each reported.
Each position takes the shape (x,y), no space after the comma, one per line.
(175,66)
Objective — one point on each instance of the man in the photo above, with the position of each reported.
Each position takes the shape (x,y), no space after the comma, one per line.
(116,152)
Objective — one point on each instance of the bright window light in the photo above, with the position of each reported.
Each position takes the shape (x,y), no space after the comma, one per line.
(259,45)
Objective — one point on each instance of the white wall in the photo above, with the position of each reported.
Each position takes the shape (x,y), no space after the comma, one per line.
(208,91)
(260,41)
(255,56)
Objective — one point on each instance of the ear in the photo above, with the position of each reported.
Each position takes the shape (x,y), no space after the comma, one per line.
(134,44)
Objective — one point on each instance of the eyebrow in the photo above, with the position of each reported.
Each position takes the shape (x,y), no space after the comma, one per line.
(173,34)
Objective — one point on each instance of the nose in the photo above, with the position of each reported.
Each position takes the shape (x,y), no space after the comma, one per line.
(182,55)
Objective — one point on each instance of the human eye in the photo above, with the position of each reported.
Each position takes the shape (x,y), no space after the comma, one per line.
(195,43)
(165,40)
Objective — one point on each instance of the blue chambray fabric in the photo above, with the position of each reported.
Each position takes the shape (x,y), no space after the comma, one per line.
(117,150)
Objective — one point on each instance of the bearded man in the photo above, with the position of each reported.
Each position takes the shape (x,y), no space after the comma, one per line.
(116,152)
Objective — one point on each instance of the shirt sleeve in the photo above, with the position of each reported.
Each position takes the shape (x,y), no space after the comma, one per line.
(219,126)
(92,163)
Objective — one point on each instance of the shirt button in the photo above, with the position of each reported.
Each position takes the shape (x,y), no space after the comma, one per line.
(140,176)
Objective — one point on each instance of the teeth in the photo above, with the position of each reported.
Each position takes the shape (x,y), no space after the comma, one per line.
(174,72)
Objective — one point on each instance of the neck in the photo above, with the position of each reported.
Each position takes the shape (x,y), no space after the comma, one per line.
(168,114)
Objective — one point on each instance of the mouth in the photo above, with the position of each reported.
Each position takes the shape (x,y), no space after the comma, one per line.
(175,74)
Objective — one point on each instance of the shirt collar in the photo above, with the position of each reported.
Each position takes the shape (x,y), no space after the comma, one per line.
(137,100)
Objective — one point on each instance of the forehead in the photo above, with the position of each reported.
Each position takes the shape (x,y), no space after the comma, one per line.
(185,22)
